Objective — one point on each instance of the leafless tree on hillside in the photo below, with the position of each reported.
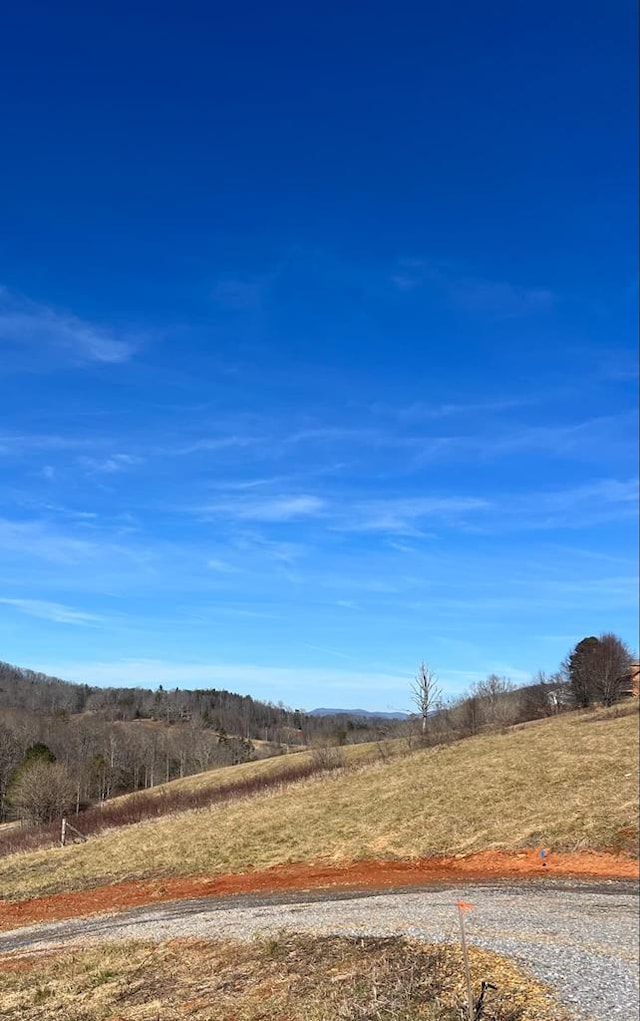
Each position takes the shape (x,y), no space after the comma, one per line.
(597,669)
(43,791)
(425,694)
(611,667)
(10,753)
(496,706)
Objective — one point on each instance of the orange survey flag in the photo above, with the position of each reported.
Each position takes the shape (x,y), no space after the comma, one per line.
(463,906)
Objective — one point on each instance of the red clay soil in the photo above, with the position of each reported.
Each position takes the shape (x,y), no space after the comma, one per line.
(359,875)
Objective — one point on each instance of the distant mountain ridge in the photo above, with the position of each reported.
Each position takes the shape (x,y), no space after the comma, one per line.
(367,713)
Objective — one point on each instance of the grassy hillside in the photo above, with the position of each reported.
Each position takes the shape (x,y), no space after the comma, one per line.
(569,782)
(276,765)
(196,793)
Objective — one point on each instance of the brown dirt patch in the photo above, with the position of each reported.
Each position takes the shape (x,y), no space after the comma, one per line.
(360,875)
(27,963)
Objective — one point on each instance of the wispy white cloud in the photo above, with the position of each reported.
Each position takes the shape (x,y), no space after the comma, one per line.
(35,538)
(388,687)
(56,612)
(421,411)
(586,440)
(32,326)
(406,515)
(212,443)
(110,465)
(222,566)
(339,434)
(556,595)
(403,547)
(38,539)
(595,502)
(592,502)
(478,295)
(283,508)
(279,552)
(250,677)
(18,444)
(240,485)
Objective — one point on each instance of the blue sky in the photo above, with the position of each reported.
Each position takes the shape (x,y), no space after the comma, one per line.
(317,338)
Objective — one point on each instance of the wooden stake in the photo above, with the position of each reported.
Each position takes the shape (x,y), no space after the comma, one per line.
(63,832)
(462,907)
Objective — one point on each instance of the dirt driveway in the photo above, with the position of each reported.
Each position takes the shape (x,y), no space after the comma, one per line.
(581,939)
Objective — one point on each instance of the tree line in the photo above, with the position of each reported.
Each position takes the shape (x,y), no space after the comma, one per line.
(596,671)
(71,745)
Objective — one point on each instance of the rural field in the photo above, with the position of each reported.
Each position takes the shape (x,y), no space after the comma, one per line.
(333,896)
(568,784)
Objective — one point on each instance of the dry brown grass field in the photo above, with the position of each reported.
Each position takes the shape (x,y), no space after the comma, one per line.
(293,977)
(567,783)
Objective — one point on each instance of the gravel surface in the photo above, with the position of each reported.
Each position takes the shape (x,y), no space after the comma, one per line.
(583,942)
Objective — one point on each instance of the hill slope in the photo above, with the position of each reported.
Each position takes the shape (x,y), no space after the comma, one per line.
(569,782)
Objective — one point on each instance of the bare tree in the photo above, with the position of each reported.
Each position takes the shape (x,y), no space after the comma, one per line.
(598,669)
(611,668)
(43,791)
(425,694)
(496,699)
(471,715)
(10,755)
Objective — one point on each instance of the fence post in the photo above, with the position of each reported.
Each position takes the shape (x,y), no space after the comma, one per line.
(70,826)
(63,832)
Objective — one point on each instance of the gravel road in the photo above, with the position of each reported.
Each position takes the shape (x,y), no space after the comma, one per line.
(581,940)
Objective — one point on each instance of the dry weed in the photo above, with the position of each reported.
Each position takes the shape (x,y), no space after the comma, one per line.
(286,977)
